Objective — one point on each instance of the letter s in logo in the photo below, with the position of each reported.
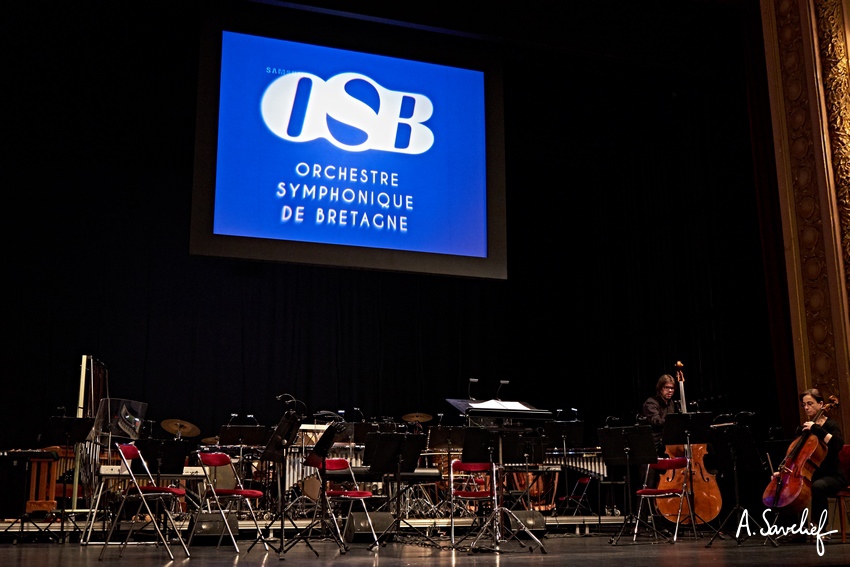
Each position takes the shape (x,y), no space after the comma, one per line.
(350,110)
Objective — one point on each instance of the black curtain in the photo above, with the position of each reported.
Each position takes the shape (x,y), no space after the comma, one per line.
(635,236)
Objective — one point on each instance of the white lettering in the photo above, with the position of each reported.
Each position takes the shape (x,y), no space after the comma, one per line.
(287,214)
(332,99)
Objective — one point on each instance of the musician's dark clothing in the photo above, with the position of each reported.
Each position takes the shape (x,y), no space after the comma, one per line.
(654,412)
(828,479)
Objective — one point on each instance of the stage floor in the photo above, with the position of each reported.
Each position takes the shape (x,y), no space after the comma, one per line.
(562,549)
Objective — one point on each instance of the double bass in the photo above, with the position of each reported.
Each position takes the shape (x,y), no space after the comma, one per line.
(791,489)
(702,486)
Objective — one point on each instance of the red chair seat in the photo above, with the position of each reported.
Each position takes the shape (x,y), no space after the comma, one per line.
(240,492)
(471,467)
(670,464)
(659,492)
(349,493)
(473,494)
(163,490)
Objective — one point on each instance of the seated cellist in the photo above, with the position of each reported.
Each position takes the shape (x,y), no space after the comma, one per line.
(826,479)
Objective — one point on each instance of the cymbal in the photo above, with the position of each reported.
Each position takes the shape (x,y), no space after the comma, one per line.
(210,440)
(180,427)
(416,417)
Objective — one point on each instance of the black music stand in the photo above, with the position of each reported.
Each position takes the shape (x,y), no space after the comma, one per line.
(67,432)
(563,435)
(248,435)
(486,445)
(396,453)
(522,450)
(736,449)
(627,446)
(317,459)
(686,429)
(275,452)
(446,439)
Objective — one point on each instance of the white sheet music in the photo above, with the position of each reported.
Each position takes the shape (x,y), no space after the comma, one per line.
(499,405)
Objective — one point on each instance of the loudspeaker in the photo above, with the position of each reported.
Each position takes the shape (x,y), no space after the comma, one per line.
(357,526)
(209,523)
(531,519)
(14,479)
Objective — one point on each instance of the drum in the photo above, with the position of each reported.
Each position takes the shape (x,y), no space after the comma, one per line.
(537,489)
(443,461)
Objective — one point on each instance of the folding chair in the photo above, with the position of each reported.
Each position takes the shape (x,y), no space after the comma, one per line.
(144,495)
(678,464)
(577,500)
(340,494)
(471,488)
(224,498)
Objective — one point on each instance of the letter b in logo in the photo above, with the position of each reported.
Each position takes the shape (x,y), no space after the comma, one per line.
(350,110)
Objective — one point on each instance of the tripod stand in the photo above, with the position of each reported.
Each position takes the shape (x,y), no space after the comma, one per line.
(628,446)
(737,441)
(275,452)
(317,459)
(446,442)
(477,443)
(570,434)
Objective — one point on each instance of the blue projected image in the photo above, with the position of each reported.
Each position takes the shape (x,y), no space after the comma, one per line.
(330,146)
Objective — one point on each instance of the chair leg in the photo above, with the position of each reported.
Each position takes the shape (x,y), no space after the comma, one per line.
(369,520)
(637,523)
(842,516)
(260,536)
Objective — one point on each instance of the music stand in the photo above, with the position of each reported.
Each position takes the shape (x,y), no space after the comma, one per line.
(522,448)
(67,432)
(569,434)
(736,449)
(281,439)
(627,446)
(391,455)
(249,435)
(686,429)
(486,445)
(317,459)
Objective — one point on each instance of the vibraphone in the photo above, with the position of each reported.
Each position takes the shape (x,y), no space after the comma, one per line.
(586,461)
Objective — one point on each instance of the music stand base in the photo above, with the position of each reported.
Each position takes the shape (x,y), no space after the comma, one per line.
(492,526)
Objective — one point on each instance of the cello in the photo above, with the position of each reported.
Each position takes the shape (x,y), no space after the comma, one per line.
(702,487)
(791,488)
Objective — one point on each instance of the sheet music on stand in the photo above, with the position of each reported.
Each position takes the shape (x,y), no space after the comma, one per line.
(503,409)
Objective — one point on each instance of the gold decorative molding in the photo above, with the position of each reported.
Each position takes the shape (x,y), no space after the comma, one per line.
(807,61)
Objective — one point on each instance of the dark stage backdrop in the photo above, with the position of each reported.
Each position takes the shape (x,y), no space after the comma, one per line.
(639,232)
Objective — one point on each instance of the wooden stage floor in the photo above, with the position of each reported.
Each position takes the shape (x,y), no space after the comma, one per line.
(564,547)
